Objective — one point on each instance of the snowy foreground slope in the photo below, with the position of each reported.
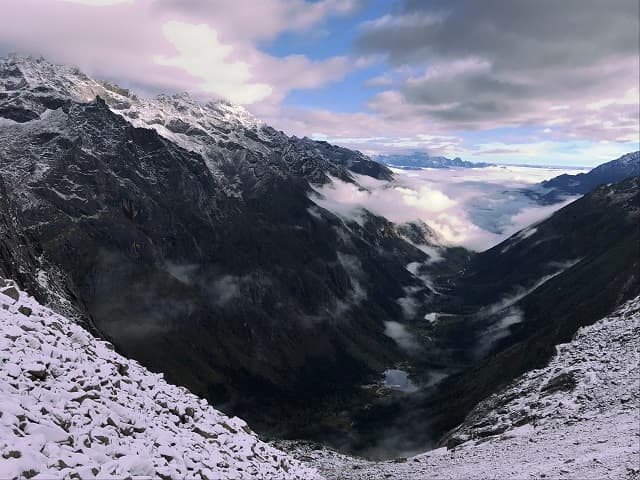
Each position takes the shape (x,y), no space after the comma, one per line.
(579,418)
(71,407)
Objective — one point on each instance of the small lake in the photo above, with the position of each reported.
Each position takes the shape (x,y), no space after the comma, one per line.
(398,380)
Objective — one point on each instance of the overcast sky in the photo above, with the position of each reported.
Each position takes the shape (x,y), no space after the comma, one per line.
(515,81)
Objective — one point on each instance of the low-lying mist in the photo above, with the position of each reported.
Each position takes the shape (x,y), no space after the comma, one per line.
(471,207)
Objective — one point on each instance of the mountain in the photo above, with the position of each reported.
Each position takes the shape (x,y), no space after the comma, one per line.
(424,160)
(611,172)
(576,417)
(187,235)
(537,288)
(73,407)
(189,230)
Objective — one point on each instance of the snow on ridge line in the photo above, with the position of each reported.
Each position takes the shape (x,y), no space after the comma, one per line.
(70,407)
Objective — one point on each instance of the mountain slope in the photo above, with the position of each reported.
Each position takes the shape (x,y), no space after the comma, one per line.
(576,417)
(537,288)
(611,172)
(208,251)
(71,406)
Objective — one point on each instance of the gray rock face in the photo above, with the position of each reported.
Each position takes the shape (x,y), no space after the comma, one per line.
(202,258)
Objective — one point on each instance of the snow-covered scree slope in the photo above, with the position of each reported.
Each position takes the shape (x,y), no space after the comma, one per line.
(579,417)
(71,407)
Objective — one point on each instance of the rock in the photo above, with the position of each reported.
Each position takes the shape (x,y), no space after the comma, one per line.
(12,454)
(26,311)
(563,382)
(453,442)
(12,292)
(123,369)
(205,434)
(40,374)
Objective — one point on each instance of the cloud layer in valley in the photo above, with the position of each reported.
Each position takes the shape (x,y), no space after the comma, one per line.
(476,208)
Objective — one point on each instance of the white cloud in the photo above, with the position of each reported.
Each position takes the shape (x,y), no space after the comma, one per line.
(476,208)
(97,3)
(224,78)
(207,47)
(496,64)
(401,335)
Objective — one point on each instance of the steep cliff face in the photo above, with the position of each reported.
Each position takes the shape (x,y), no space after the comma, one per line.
(22,259)
(195,237)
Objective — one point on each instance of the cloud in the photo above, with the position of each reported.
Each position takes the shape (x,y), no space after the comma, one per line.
(250,20)
(476,208)
(566,70)
(209,48)
(401,335)
(509,64)
(207,64)
(98,3)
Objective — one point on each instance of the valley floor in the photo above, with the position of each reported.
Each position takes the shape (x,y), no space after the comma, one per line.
(577,418)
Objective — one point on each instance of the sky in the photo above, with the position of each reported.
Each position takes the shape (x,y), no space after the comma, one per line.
(546,82)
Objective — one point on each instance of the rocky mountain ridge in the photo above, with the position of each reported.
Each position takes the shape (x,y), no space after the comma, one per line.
(615,171)
(230,139)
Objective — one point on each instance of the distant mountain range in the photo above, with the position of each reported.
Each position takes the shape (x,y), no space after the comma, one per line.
(558,189)
(424,160)
(611,172)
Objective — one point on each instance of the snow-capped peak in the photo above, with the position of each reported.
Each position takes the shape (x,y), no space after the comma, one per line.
(38,74)
(27,72)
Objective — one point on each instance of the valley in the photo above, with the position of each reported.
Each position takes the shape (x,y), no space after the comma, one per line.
(301,286)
